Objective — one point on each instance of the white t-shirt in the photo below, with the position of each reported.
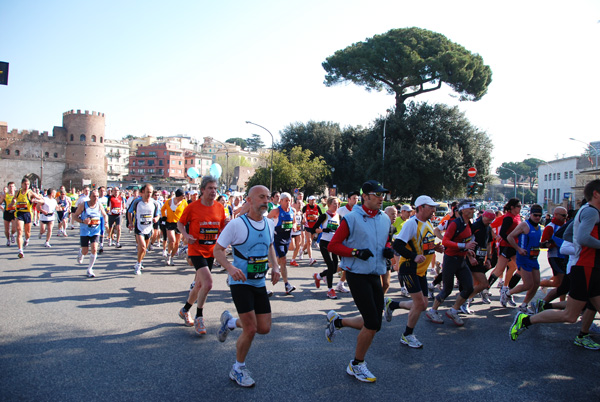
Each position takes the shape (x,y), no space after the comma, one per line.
(236,231)
(82,198)
(49,207)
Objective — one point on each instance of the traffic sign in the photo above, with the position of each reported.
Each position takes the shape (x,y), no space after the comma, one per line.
(472,172)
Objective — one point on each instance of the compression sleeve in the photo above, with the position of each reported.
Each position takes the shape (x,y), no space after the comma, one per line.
(506,224)
(589,217)
(321,219)
(399,247)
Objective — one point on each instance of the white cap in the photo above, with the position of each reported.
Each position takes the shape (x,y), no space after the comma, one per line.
(406,207)
(425,200)
(312,197)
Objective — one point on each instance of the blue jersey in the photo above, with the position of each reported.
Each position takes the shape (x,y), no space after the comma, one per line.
(95,225)
(285,223)
(252,256)
(530,242)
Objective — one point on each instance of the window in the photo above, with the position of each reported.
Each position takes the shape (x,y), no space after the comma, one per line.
(553,194)
(545,194)
(558,176)
(93,138)
(142,153)
(160,171)
(186,161)
(180,162)
(165,152)
(17,152)
(141,171)
(72,137)
(55,155)
(47,155)
(101,140)
(7,152)
(82,137)
(167,161)
(160,162)
(133,163)
(558,199)
(571,174)
(151,162)
(566,175)
(545,177)
(554,176)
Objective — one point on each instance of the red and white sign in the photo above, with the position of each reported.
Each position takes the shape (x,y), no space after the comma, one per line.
(472,172)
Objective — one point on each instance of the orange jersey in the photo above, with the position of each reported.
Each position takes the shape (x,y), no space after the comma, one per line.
(205,224)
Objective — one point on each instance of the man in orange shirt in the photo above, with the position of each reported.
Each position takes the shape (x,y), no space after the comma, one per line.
(201,223)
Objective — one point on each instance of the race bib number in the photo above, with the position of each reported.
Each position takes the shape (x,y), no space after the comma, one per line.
(257,267)
(534,252)
(312,218)
(208,236)
(481,253)
(333,225)
(115,211)
(94,221)
(22,206)
(145,219)
(287,225)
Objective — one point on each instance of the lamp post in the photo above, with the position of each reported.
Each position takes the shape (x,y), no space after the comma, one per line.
(500,167)
(593,147)
(272,145)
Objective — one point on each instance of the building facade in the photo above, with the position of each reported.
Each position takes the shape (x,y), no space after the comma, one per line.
(159,161)
(117,160)
(561,182)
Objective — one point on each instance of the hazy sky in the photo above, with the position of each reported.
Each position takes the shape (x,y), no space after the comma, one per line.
(204,68)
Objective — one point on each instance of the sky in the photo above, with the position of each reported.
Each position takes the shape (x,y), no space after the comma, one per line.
(204,68)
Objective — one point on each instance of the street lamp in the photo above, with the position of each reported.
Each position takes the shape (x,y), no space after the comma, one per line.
(515,183)
(272,145)
(587,143)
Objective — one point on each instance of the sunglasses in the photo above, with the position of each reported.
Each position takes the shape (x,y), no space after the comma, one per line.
(536,215)
(377,194)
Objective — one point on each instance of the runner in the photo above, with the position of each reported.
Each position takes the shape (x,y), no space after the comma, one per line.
(416,245)
(311,213)
(115,209)
(103,200)
(63,209)
(22,202)
(206,219)
(274,202)
(360,241)
(557,261)
(528,234)
(326,225)
(297,236)
(283,216)
(343,211)
(143,213)
(135,194)
(47,209)
(89,214)
(173,209)
(251,236)
(73,196)
(10,222)
(458,243)
(584,274)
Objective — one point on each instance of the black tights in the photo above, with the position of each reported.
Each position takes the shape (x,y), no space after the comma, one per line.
(331,260)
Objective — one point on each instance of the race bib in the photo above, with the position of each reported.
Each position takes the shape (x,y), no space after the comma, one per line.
(287,225)
(208,236)
(481,253)
(333,225)
(312,218)
(145,219)
(94,221)
(22,205)
(115,211)
(534,252)
(257,267)
(429,247)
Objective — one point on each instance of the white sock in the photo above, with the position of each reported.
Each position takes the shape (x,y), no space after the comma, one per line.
(92,260)
(232,323)
(239,365)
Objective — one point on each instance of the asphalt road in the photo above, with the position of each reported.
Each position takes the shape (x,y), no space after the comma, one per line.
(117,337)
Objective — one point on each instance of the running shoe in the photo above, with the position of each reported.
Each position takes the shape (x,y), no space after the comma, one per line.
(523,308)
(312,262)
(80,257)
(341,288)
(47,245)
(331,330)
(186,316)
(224,329)
(454,317)
(109,242)
(434,316)
(301,254)
(150,247)
(404,292)
(500,284)
(510,301)
(503,296)
(165,254)
(26,243)
(118,245)
(138,268)
(464,308)
(101,250)
(294,263)
(270,293)
(517,326)
(7,242)
(587,342)
(21,254)
(331,294)
(13,239)
(40,236)
(289,288)
(411,341)
(90,273)
(360,372)
(317,279)
(199,326)
(537,306)
(387,311)
(594,328)
(430,291)
(485,296)
(242,377)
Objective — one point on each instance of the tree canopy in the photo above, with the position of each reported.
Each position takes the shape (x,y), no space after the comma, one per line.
(297,168)
(254,143)
(238,141)
(408,62)
(525,170)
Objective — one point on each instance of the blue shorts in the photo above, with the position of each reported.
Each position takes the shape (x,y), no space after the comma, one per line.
(527,263)
(24,216)
(281,246)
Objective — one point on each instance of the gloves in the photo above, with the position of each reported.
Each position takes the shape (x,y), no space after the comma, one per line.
(388,253)
(363,254)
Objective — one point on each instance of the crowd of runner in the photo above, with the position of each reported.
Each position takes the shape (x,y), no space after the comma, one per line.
(360,244)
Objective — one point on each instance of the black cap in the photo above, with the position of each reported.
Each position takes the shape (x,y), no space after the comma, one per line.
(373,186)
(354,193)
(178,193)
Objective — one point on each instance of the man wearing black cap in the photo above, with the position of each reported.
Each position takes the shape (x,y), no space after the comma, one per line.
(360,241)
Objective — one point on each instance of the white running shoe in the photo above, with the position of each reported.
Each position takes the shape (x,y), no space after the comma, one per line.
(411,341)
(138,268)
(80,257)
(242,377)
(360,372)
(341,287)
(404,292)
(165,254)
(90,273)
(47,245)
